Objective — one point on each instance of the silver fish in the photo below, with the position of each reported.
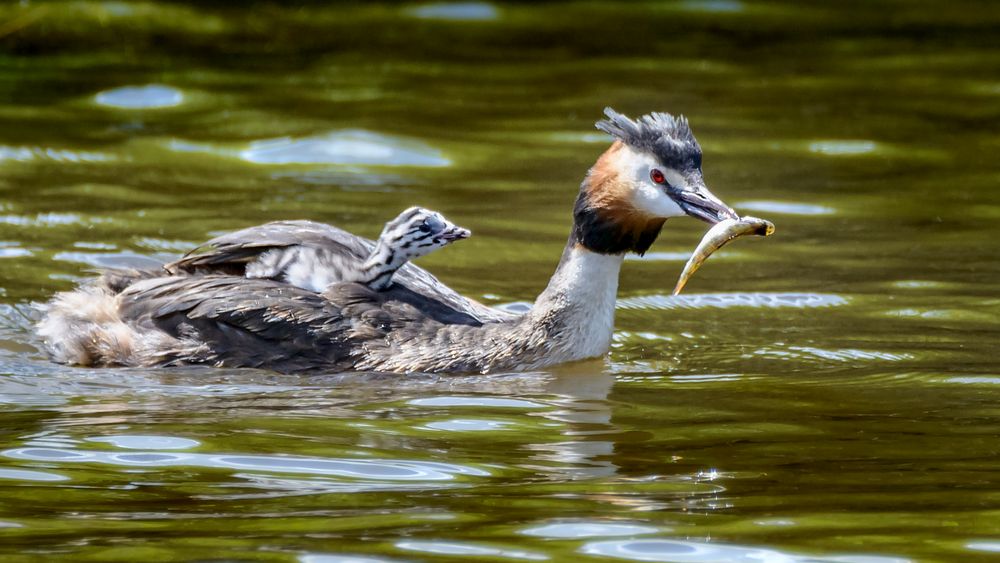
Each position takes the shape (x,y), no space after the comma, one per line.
(717,237)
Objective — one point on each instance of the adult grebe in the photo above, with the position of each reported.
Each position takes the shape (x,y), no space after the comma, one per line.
(207,311)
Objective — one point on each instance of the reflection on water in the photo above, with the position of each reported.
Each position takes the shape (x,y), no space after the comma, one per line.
(988,546)
(468,11)
(656,464)
(828,394)
(727,300)
(323,558)
(29,475)
(847,355)
(713,5)
(389,470)
(350,147)
(27,154)
(842,147)
(785,208)
(468,549)
(672,551)
(11,250)
(141,97)
(571,530)
(344,147)
(148,442)
(475,402)
(467,425)
(125,259)
(664,256)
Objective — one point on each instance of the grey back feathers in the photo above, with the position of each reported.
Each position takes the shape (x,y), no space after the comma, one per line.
(667,137)
(413,233)
(334,250)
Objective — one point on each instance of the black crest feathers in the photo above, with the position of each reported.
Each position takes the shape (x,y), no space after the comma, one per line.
(667,137)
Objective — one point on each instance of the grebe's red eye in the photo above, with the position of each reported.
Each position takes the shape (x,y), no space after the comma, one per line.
(657,176)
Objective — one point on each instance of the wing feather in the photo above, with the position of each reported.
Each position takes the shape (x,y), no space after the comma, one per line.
(231,252)
(246,322)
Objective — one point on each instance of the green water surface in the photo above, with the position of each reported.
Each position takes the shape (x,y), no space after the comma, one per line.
(827,394)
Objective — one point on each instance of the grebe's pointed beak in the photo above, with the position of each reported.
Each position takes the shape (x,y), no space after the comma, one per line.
(702,204)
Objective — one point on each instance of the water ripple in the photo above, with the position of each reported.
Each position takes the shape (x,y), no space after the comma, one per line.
(727,300)
(28,475)
(468,549)
(163,245)
(843,147)
(492,402)
(344,147)
(846,355)
(351,178)
(139,442)
(990,546)
(382,469)
(786,208)
(974,380)
(718,6)
(46,220)
(572,530)
(273,487)
(918,284)
(706,377)
(12,250)
(26,154)
(677,551)
(331,558)
(850,354)
(18,317)
(458,11)
(150,96)
(124,259)
(680,551)
(660,257)
(467,425)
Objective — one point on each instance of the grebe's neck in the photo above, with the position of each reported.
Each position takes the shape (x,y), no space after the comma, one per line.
(572,319)
(579,300)
(381,264)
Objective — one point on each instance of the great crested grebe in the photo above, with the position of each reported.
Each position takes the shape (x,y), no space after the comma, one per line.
(207,311)
(413,233)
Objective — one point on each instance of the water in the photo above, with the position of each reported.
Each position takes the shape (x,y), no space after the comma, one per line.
(827,394)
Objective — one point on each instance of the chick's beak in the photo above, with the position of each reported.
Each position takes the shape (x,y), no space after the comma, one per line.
(456,233)
(702,204)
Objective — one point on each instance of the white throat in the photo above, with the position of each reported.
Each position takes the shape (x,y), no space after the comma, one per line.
(581,294)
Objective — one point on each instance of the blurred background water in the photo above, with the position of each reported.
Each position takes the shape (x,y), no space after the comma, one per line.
(827,394)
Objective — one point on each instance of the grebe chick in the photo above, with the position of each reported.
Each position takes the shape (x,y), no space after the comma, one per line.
(413,233)
(204,310)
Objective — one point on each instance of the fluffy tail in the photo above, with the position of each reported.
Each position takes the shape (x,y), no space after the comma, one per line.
(83,327)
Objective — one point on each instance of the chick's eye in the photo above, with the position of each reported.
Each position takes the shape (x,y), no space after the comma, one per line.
(657,176)
(424,228)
